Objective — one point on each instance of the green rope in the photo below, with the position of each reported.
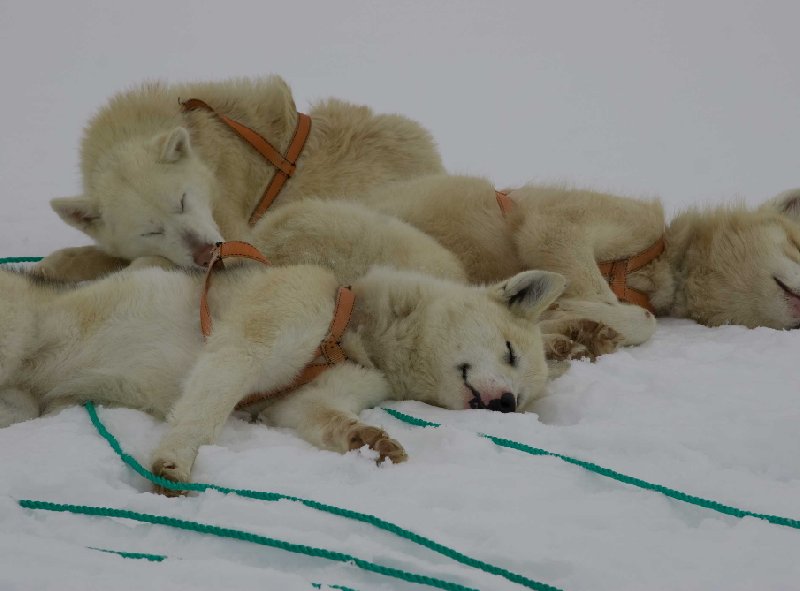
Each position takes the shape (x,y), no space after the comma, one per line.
(613,474)
(267,496)
(11,260)
(339,587)
(235,534)
(162,557)
(346,513)
(132,555)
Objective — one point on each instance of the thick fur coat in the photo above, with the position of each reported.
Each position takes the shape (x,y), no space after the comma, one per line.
(725,265)
(347,238)
(132,339)
(158,181)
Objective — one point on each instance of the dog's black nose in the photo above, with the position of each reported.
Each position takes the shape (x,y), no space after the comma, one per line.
(506,403)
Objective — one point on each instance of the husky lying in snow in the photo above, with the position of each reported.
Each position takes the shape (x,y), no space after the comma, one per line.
(728,265)
(132,339)
(344,237)
(348,238)
(161,181)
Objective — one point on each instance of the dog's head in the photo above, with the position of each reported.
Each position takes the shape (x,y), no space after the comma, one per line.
(743,267)
(148,197)
(459,346)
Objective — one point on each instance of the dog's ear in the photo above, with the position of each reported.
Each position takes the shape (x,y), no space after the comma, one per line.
(78,212)
(175,145)
(278,108)
(403,303)
(395,295)
(787,203)
(529,293)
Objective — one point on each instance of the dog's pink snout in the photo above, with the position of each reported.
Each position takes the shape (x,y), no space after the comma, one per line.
(203,253)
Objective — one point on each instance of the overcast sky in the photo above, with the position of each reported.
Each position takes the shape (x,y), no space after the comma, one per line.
(690,101)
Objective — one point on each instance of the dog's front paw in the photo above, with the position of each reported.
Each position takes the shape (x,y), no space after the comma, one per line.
(169,469)
(597,338)
(559,347)
(376,439)
(81,263)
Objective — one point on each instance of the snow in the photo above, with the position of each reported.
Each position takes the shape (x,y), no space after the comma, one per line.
(694,102)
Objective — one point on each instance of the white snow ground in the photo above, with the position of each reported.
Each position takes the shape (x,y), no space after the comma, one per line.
(691,101)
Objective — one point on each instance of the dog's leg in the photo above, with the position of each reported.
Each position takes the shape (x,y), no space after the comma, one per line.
(16,406)
(599,326)
(325,412)
(78,264)
(548,243)
(221,377)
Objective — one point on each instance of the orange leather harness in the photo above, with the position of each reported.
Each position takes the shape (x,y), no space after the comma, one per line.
(616,271)
(328,353)
(504,202)
(285,164)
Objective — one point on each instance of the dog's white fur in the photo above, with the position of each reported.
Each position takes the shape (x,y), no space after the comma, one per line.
(720,265)
(132,339)
(160,182)
(348,238)
(345,237)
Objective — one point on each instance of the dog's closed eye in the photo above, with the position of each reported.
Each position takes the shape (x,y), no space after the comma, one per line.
(511,356)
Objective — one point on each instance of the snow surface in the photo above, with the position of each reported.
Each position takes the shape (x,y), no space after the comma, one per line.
(692,101)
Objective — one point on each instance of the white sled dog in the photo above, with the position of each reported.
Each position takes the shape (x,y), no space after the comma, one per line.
(132,339)
(163,180)
(347,238)
(726,265)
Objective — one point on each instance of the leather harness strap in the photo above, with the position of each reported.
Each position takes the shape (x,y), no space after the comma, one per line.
(504,202)
(285,164)
(328,353)
(224,250)
(616,273)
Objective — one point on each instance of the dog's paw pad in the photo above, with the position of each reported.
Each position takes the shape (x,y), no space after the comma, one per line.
(595,337)
(169,470)
(377,440)
(390,449)
(557,347)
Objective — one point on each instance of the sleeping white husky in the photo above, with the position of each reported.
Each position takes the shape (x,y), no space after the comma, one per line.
(344,237)
(161,180)
(723,265)
(132,339)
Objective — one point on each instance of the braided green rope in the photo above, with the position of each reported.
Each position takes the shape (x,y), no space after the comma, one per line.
(266,496)
(235,534)
(132,555)
(339,587)
(11,260)
(613,474)
(346,513)
(162,557)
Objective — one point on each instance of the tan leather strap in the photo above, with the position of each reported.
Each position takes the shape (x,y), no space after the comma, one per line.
(286,164)
(328,354)
(224,250)
(616,273)
(504,202)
